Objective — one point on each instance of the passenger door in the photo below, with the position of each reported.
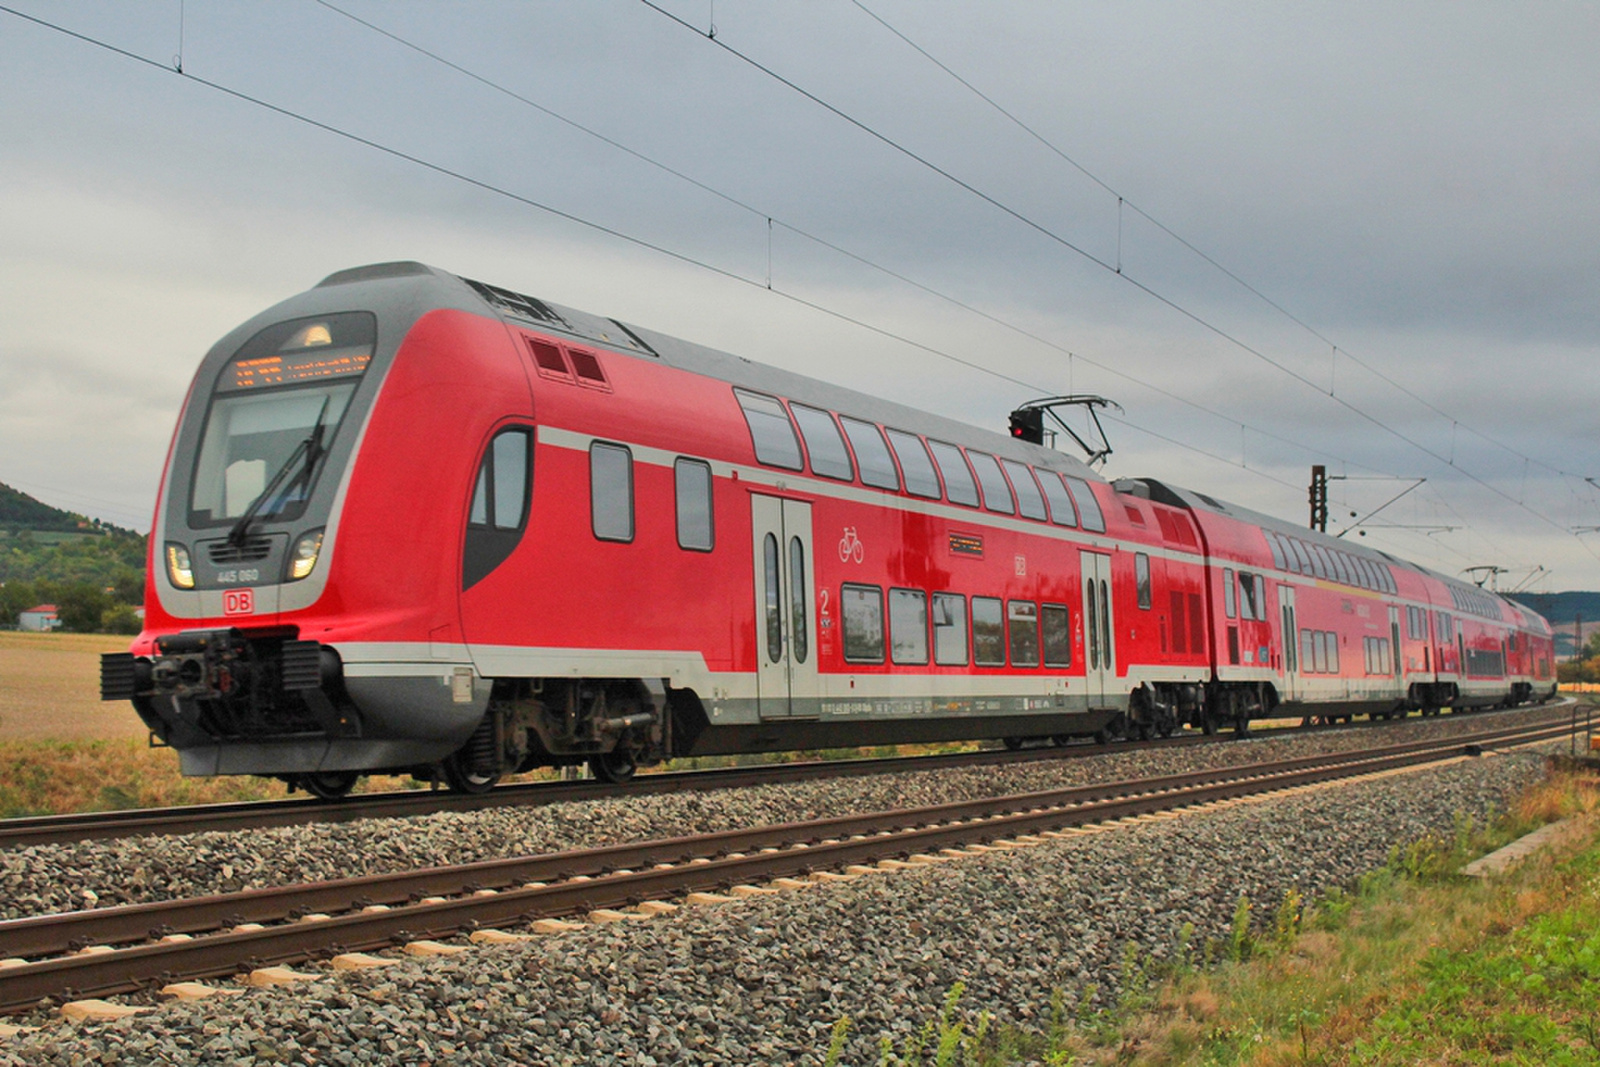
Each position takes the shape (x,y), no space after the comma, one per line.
(785,589)
(1099,645)
(1291,642)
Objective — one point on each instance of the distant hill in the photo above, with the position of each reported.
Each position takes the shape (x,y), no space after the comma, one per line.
(19,511)
(1562,609)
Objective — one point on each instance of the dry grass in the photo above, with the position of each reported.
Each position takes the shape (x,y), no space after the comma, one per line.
(39,777)
(50,689)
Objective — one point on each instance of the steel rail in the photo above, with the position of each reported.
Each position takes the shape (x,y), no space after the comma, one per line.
(597,878)
(263,814)
(254,815)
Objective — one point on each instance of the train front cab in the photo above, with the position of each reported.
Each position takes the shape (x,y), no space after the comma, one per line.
(287,627)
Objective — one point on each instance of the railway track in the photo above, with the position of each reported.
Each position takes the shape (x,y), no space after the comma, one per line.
(130,949)
(253,815)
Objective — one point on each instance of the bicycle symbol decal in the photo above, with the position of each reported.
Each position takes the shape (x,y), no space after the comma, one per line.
(850,546)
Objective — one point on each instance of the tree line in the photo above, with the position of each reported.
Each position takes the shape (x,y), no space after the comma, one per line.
(95,582)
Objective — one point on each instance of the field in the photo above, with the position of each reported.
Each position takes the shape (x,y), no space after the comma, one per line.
(61,749)
(50,689)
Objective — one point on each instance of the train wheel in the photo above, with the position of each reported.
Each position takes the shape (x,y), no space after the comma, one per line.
(615,767)
(1208,725)
(1012,743)
(461,776)
(330,785)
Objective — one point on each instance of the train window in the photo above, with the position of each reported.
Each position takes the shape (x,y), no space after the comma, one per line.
(1377,655)
(862,607)
(499,509)
(958,484)
(1088,506)
(1062,513)
(1333,652)
(1414,625)
(772,607)
(1055,622)
(988,632)
(611,491)
(1319,651)
(510,454)
(1024,619)
(996,493)
(1029,501)
(1445,631)
(693,483)
(921,480)
(950,629)
(908,625)
(771,432)
(877,466)
(1249,597)
(1228,600)
(1302,555)
(829,457)
(1276,547)
(1336,565)
(798,627)
(1141,579)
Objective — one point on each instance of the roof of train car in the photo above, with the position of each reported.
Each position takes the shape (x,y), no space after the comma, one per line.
(641,342)
(1165,492)
(452,290)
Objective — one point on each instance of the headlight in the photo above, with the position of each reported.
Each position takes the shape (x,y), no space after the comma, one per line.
(303,560)
(179,568)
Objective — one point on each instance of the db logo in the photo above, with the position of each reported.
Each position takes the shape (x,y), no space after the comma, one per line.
(239,602)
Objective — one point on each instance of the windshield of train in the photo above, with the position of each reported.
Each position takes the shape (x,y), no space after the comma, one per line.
(277,406)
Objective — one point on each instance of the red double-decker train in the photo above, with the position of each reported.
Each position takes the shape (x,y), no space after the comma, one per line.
(415,523)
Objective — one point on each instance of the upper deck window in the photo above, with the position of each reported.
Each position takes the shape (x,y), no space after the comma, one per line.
(920,477)
(771,432)
(996,493)
(1088,506)
(1029,502)
(1062,513)
(829,457)
(277,408)
(958,484)
(877,466)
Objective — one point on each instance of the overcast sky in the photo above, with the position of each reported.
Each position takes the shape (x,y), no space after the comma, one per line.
(1415,187)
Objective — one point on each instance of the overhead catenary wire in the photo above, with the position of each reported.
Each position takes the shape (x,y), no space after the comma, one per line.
(771,221)
(607,230)
(1124,202)
(1112,268)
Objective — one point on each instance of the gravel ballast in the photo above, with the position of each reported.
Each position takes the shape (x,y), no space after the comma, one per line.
(763,980)
(52,878)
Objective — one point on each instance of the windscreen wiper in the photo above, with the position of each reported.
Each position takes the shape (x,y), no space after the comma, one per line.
(310,450)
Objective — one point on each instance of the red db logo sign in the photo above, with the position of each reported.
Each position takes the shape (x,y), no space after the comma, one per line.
(239,602)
